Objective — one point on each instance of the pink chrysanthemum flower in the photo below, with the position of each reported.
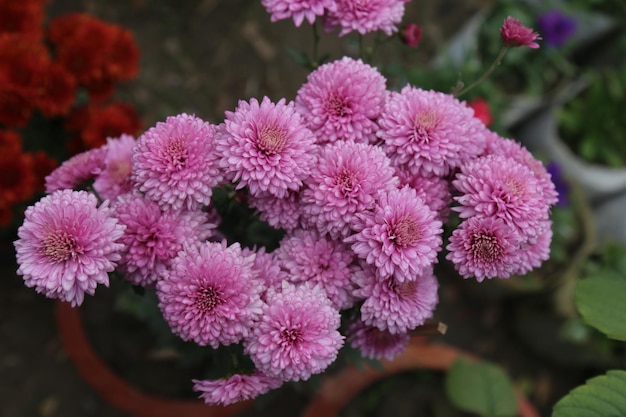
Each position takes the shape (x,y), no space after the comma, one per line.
(429,132)
(374,343)
(514,33)
(114,180)
(67,245)
(366,16)
(344,182)
(484,247)
(434,190)
(306,256)
(508,147)
(396,307)
(266,147)
(298,10)
(280,213)
(268,268)
(211,294)
(236,388)
(297,334)
(401,236)
(495,185)
(532,254)
(175,163)
(341,100)
(154,237)
(79,168)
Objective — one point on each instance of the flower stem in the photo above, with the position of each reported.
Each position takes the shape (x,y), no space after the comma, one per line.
(316,42)
(485,75)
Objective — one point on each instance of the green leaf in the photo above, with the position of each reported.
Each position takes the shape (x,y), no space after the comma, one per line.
(600,300)
(482,388)
(600,396)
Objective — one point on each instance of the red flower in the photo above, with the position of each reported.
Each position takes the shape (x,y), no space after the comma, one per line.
(18,182)
(10,142)
(411,35)
(95,52)
(514,33)
(59,92)
(481,110)
(22,16)
(95,123)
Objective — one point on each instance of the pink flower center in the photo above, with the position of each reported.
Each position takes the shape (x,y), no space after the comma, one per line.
(347,182)
(405,232)
(271,140)
(176,154)
(60,246)
(119,170)
(290,337)
(486,248)
(207,298)
(422,125)
(338,106)
(403,289)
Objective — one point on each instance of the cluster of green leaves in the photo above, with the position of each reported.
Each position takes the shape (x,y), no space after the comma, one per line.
(599,298)
(593,124)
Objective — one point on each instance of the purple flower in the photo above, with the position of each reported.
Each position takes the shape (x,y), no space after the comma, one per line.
(484,247)
(82,167)
(298,10)
(211,294)
(400,237)
(514,33)
(365,16)
(374,343)
(556,27)
(175,163)
(341,101)
(67,245)
(115,179)
(297,334)
(429,132)
(305,256)
(236,388)
(154,237)
(345,181)
(266,147)
(396,307)
(560,183)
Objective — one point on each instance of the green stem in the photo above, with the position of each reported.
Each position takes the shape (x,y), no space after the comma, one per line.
(316,42)
(485,75)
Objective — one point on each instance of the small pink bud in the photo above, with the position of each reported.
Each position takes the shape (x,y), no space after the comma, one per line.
(411,35)
(514,33)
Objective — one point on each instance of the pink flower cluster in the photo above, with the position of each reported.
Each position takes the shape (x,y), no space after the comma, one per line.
(360,179)
(362,16)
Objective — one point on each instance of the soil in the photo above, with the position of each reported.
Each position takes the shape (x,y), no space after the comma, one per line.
(201,57)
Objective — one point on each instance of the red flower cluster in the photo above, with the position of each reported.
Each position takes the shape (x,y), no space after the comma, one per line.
(21,173)
(96,53)
(42,69)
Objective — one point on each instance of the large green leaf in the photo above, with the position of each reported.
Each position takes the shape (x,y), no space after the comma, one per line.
(482,388)
(601,301)
(602,396)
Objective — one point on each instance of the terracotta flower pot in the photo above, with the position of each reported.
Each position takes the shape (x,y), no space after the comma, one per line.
(335,392)
(113,389)
(338,390)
